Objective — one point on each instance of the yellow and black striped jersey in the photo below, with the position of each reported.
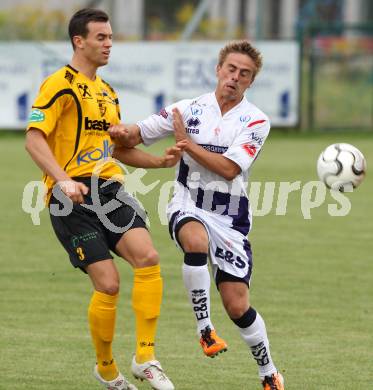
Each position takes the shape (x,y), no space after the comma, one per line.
(75,113)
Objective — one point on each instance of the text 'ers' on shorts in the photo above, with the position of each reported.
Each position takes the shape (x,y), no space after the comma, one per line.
(229,250)
(90,230)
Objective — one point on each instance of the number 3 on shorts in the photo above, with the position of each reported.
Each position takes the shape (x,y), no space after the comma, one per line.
(80,253)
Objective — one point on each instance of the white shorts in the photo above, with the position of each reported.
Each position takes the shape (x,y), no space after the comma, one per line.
(229,250)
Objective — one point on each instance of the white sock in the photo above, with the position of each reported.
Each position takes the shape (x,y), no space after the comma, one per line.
(255,336)
(197,284)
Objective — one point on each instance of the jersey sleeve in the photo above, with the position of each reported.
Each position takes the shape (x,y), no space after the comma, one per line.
(160,125)
(247,145)
(48,105)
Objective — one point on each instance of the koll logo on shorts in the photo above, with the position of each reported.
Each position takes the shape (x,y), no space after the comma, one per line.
(36,116)
(96,154)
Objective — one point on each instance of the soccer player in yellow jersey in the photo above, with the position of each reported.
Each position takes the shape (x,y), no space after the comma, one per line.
(66,137)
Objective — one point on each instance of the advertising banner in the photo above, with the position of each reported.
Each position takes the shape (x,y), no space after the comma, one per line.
(148,76)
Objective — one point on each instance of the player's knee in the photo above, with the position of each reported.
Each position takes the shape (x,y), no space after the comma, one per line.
(195,244)
(147,259)
(151,258)
(235,309)
(246,319)
(109,287)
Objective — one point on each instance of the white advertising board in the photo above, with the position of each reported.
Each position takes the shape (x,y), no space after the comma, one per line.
(148,76)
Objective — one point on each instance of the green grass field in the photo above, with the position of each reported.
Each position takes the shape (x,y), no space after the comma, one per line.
(312,283)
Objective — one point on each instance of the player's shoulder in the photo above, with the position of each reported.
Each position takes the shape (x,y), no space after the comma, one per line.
(182,105)
(106,85)
(195,106)
(205,100)
(254,116)
(65,75)
(62,78)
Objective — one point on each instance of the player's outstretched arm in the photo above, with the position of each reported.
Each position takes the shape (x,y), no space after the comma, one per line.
(140,159)
(173,154)
(125,135)
(212,161)
(40,152)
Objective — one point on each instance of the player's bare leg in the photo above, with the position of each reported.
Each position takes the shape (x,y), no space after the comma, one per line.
(194,241)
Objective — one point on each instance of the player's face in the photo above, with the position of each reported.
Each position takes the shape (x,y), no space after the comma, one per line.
(235,75)
(98,42)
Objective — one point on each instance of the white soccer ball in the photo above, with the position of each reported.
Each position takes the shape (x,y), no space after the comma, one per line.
(341,167)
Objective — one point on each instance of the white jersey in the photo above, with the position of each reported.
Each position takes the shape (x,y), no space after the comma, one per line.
(238,135)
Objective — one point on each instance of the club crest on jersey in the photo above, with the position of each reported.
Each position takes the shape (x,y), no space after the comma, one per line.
(101,106)
(195,110)
(84,91)
(36,116)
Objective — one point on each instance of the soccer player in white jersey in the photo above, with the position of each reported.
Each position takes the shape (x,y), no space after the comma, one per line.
(209,214)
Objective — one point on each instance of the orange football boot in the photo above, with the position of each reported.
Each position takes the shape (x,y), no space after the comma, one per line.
(273,382)
(211,343)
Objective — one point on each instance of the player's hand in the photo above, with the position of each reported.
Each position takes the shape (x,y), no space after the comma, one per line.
(179,128)
(74,190)
(173,154)
(120,134)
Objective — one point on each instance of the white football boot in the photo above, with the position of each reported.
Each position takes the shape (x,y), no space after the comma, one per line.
(152,371)
(119,383)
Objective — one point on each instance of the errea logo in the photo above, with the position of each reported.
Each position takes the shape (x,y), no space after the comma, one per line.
(94,124)
(193,122)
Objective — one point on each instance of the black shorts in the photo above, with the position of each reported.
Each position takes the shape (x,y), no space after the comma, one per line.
(222,276)
(88,232)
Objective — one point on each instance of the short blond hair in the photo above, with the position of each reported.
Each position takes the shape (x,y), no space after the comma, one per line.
(243,47)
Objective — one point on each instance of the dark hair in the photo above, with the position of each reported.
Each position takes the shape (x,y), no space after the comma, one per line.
(243,47)
(79,21)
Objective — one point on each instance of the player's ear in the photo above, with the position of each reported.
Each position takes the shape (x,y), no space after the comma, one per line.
(217,68)
(78,41)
